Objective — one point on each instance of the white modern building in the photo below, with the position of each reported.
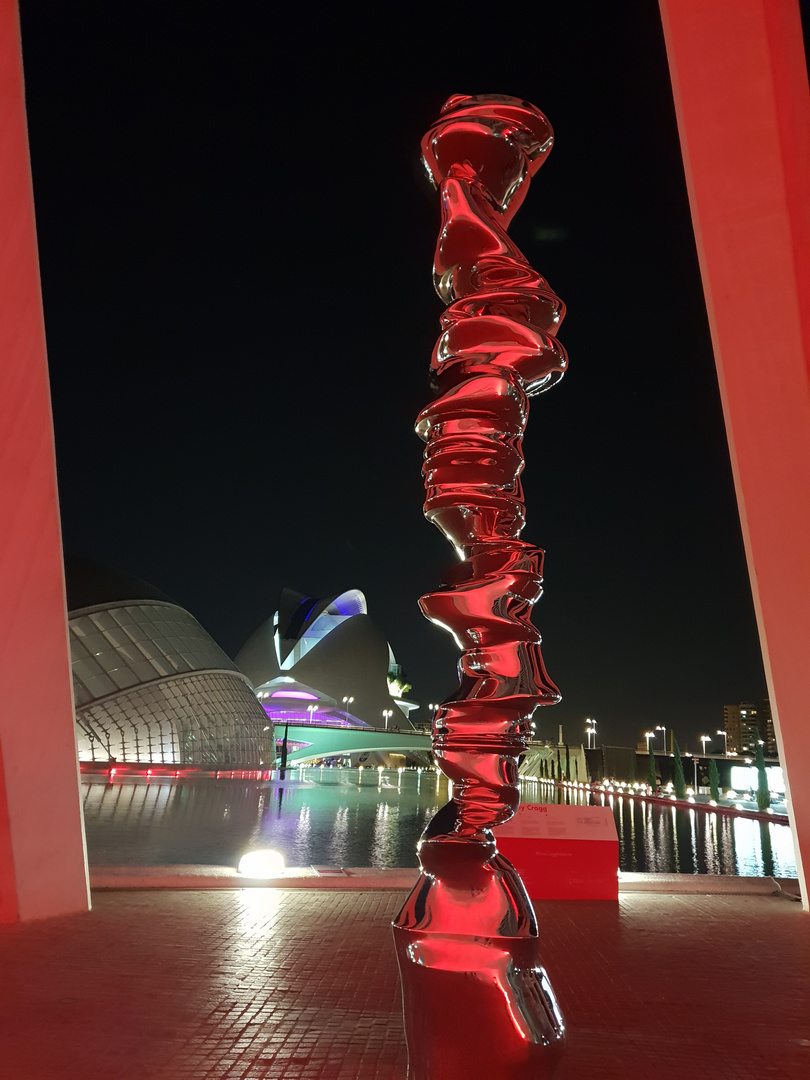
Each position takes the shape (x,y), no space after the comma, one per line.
(151,686)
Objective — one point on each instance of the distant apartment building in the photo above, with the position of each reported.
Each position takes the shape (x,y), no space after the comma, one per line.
(746,724)
(766,729)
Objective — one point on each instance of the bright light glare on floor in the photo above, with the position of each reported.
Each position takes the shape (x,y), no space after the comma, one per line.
(261,864)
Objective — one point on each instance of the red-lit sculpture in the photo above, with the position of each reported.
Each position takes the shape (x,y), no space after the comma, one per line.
(476,1001)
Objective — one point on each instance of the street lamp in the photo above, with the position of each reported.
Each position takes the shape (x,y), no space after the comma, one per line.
(387,714)
(649,735)
(663,730)
(346,703)
(704,739)
(591,730)
(311,709)
(725,744)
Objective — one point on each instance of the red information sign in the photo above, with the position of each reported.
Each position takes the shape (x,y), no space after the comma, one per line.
(563,852)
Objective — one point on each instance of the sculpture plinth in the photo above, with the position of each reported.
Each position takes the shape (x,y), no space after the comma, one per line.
(476,1000)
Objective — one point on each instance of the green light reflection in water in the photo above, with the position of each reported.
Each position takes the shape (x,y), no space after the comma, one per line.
(349,817)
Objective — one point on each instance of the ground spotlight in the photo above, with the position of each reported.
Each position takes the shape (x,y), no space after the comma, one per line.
(261,864)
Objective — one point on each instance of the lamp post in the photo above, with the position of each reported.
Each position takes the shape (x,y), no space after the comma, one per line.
(311,709)
(346,703)
(590,730)
(432,706)
(725,742)
(663,730)
(387,714)
(649,735)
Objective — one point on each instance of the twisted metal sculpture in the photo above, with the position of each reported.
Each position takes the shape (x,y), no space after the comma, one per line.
(476,1000)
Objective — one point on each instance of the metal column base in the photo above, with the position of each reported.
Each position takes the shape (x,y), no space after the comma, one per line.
(477,1007)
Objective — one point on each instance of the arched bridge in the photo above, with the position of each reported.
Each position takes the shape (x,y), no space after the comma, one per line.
(320,741)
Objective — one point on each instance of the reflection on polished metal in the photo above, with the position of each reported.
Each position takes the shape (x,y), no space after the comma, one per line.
(476,1000)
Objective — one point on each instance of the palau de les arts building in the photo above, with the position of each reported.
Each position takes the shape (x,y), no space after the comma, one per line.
(324,661)
(151,686)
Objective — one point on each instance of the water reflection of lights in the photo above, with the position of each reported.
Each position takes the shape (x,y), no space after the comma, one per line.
(746,835)
(675,851)
(710,853)
(728,858)
(650,847)
(333,821)
(304,827)
(634,857)
(338,843)
(385,830)
(763,848)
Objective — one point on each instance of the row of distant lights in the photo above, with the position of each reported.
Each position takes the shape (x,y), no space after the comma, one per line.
(379,768)
(300,695)
(620,788)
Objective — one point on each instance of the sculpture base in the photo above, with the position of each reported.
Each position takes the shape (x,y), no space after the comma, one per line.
(477,1007)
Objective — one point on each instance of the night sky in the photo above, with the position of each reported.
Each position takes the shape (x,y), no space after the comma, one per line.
(236,245)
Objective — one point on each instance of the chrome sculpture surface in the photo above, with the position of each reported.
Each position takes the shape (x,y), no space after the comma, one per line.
(476,1000)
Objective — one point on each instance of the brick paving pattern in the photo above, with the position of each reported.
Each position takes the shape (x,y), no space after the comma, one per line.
(302,985)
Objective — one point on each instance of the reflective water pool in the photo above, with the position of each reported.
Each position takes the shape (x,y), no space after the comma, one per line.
(348,817)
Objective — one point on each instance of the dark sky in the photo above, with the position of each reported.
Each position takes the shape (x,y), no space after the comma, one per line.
(236,247)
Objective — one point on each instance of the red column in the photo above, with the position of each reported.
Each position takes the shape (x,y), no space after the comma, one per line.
(43,867)
(740,85)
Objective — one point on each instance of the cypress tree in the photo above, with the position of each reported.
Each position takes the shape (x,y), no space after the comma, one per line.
(714,780)
(559,765)
(567,762)
(763,794)
(652,778)
(680,782)
(576,770)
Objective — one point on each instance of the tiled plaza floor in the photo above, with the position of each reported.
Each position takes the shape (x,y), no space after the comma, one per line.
(302,985)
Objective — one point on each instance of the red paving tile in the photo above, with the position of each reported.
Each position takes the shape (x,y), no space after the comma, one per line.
(302,985)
